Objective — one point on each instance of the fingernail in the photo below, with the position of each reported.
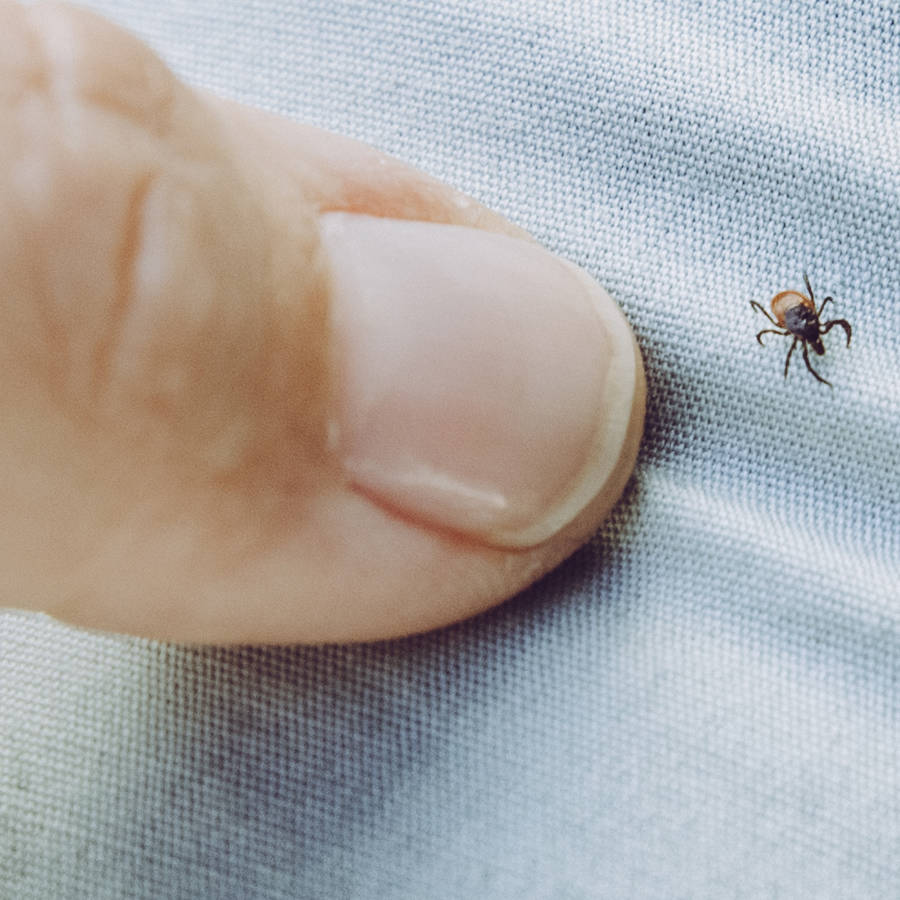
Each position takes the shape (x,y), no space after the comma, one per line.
(482,384)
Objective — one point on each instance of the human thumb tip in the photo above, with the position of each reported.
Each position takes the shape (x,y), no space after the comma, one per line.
(482,385)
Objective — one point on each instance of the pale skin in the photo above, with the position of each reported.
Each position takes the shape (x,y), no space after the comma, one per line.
(167,461)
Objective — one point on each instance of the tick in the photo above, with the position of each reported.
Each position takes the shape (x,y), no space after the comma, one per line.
(796,316)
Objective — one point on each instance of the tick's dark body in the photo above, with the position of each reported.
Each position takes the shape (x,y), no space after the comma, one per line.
(797,317)
(803,322)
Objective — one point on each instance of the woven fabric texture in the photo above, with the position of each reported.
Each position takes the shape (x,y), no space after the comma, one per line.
(704,702)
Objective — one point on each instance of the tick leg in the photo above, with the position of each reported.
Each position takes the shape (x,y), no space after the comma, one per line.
(826,300)
(815,374)
(787,362)
(809,288)
(843,323)
(768,331)
(755,305)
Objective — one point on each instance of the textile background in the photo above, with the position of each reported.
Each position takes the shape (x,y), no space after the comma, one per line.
(704,702)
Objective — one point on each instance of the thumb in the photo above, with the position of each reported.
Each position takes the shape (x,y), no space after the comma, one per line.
(269,384)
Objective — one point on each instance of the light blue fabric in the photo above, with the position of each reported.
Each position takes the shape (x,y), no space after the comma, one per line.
(702,703)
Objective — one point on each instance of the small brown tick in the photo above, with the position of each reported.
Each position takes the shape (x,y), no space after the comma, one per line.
(796,315)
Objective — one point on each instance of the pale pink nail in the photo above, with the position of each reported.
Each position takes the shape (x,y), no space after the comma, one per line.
(483,385)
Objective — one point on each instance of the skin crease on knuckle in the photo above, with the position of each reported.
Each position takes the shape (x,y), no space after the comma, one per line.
(171,484)
(115,362)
